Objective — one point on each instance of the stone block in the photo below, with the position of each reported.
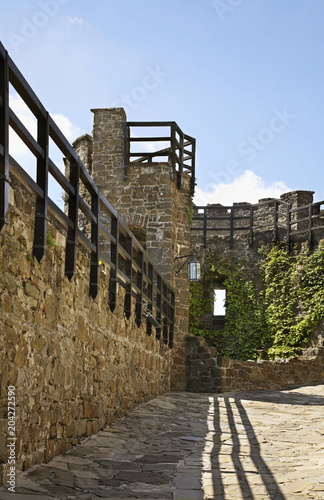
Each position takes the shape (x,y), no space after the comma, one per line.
(91,410)
(21,357)
(31,290)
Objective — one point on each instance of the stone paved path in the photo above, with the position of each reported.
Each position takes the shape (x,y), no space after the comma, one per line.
(239,445)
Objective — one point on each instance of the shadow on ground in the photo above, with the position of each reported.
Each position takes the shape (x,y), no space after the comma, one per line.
(184,446)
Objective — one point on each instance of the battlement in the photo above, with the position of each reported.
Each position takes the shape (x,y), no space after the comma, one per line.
(292,218)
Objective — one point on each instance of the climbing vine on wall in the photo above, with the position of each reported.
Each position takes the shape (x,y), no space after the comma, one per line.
(272,310)
(200,302)
(294,298)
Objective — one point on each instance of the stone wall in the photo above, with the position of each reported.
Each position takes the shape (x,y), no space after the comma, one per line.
(154,209)
(207,372)
(76,365)
(261,232)
(246,249)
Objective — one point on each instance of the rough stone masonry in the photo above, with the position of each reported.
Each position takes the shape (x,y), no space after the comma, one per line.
(76,366)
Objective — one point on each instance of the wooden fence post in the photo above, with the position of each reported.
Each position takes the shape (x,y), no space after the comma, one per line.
(4,140)
(310,226)
(72,241)
(251,226)
(139,298)
(181,156)
(205,228)
(40,236)
(165,311)
(159,306)
(94,266)
(129,274)
(150,296)
(231,241)
(171,317)
(288,228)
(114,260)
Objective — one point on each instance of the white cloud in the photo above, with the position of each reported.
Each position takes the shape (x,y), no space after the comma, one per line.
(16,146)
(247,187)
(76,20)
(19,151)
(152,147)
(22,111)
(67,128)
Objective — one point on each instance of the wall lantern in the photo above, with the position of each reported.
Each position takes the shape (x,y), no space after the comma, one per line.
(148,315)
(194,267)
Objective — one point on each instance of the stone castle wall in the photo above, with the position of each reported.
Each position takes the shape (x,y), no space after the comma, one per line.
(246,248)
(247,237)
(204,370)
(76,366)
(154,209)
(207,372)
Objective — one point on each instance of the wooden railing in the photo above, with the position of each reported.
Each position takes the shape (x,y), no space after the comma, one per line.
(110,242)
(180,151)
(286,223)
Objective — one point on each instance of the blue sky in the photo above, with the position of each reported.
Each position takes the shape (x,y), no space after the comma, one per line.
(244,77)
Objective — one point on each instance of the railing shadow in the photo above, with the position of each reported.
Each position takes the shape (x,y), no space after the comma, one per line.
(235,455)
(227,444)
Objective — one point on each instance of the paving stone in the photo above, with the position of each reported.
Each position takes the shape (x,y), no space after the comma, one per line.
(63,478)
(158,467)
(85,483)
(266,444)
(191,438)
(118,465)
(188,495)
(158,458)
(23,496)
(71,459)
(187,483)
(59,491)
(85,474)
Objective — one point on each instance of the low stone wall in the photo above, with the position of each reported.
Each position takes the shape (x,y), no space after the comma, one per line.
(207,372)
(75,365)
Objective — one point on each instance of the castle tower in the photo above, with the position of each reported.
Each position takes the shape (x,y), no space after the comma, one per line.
(154,202)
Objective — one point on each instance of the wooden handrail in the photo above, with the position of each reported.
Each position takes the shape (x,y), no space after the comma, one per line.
(139,269)
(177,153)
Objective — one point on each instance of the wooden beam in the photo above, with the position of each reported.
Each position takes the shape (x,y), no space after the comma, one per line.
(4,140)
(41,216)
(73,214)
(95,232)
(129,274)
(114,260)
(139,298)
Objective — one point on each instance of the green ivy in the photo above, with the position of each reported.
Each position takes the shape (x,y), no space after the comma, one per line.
(49,240)
(200,302)
(275,315)
(295,298)
(190,210)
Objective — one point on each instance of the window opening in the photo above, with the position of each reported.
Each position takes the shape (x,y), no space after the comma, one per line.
(219,302)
